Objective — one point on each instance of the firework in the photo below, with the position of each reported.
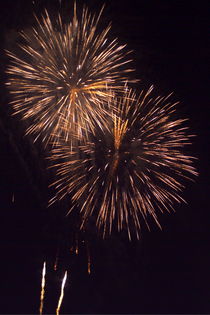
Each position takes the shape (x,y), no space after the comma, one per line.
(68,71)
(128,172)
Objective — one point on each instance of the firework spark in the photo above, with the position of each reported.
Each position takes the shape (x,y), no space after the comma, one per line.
(55,267)
(68,71)
(136,167)
(88,258)
(42,289)
(62,294)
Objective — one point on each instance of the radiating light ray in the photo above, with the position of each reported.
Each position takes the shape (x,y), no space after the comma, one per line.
(62,294)
(128,172)
(69,71)
(42,289)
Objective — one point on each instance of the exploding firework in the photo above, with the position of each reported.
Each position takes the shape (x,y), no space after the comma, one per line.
(128,172)
(68,71)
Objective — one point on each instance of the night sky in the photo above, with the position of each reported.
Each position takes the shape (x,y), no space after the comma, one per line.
(166,271)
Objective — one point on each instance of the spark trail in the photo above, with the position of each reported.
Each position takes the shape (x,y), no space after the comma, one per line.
(62,294)
(42,289)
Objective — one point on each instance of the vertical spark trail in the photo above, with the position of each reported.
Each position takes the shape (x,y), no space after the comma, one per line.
(62,293)
(42,289)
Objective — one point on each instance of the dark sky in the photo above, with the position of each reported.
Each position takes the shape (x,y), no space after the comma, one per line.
(166,271)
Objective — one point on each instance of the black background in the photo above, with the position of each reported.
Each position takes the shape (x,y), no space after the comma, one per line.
(166,271)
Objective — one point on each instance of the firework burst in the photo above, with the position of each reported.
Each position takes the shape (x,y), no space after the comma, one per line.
(128,172)
(68,71)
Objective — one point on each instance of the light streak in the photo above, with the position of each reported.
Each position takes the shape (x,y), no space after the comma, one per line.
(42,289)
(62,293)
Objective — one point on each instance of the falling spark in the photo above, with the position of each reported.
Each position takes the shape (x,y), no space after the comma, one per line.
(62,293)
(88,258)
(13,198)
(42,288)
(131,170)
(77,245)
(56,261)
(69,70)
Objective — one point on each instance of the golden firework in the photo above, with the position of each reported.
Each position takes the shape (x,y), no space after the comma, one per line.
(66,75)
(123,175)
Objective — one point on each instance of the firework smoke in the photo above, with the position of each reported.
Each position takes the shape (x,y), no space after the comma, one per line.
(69,71)
(128,172)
